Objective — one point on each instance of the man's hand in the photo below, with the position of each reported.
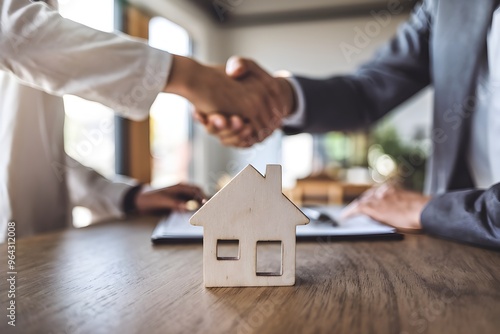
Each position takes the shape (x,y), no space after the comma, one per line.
(212,92)
(235,131)
(164,200)
(392,206)
(232,131)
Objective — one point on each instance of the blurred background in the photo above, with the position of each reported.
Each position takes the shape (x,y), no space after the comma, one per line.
(316,38)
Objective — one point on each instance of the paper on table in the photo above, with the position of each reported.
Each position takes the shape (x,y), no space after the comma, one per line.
(359,225)
(177,226)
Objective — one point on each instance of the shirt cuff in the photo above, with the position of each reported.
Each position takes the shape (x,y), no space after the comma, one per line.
(129,199)
(297,118)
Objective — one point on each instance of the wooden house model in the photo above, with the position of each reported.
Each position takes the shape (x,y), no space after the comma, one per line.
(250,211)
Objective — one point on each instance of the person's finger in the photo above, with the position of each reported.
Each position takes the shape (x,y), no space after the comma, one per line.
(232,134)
(215,123)
(244,139)
(197,191)
(242,134)
(367,195)
(237,141)
(220,122)
(159,202)
(201,118)
(383,190)
(360,208)
(234,142)
(236,67)
(186,191)
(239,132)
(350,210)
(234,127)
(224,134)
(170,203)
(237,123)
(235,132)
(211,129)
(246,133)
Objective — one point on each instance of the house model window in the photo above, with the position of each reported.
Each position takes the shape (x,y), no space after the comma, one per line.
(269,258)
(228,250)
(249,232)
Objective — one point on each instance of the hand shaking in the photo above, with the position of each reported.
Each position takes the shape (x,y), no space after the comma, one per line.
(241,107)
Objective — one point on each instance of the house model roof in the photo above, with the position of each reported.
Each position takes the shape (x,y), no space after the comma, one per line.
(250,198)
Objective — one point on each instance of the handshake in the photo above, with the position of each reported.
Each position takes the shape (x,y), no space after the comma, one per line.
(242,105)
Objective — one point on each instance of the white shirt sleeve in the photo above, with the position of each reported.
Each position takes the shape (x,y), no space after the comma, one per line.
(60,56)
(298,117)
(103,197)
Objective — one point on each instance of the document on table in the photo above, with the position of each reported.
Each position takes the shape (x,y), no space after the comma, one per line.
(176,227)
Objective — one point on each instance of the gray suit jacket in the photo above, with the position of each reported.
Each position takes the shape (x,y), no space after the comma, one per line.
(440,45)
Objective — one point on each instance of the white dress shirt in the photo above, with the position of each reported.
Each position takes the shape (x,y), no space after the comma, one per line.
(42,57)
(298,116)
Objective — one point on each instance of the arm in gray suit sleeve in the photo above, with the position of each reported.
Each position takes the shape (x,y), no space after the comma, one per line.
(399,70)
(471,216)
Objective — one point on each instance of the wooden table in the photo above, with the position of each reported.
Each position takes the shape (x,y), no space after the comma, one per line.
(111,279)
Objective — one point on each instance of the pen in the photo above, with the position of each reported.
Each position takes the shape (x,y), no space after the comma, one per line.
(319,217)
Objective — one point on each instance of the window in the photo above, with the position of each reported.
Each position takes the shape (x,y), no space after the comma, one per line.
(307,155)
(269,258)
(170,115)
(228,250)
(89,126)
(297,155)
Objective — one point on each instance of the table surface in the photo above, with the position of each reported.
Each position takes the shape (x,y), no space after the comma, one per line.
(109,278)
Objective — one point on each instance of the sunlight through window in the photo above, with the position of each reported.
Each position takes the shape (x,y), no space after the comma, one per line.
(170,117)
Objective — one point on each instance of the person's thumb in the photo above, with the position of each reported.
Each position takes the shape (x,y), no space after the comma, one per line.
(237,67)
